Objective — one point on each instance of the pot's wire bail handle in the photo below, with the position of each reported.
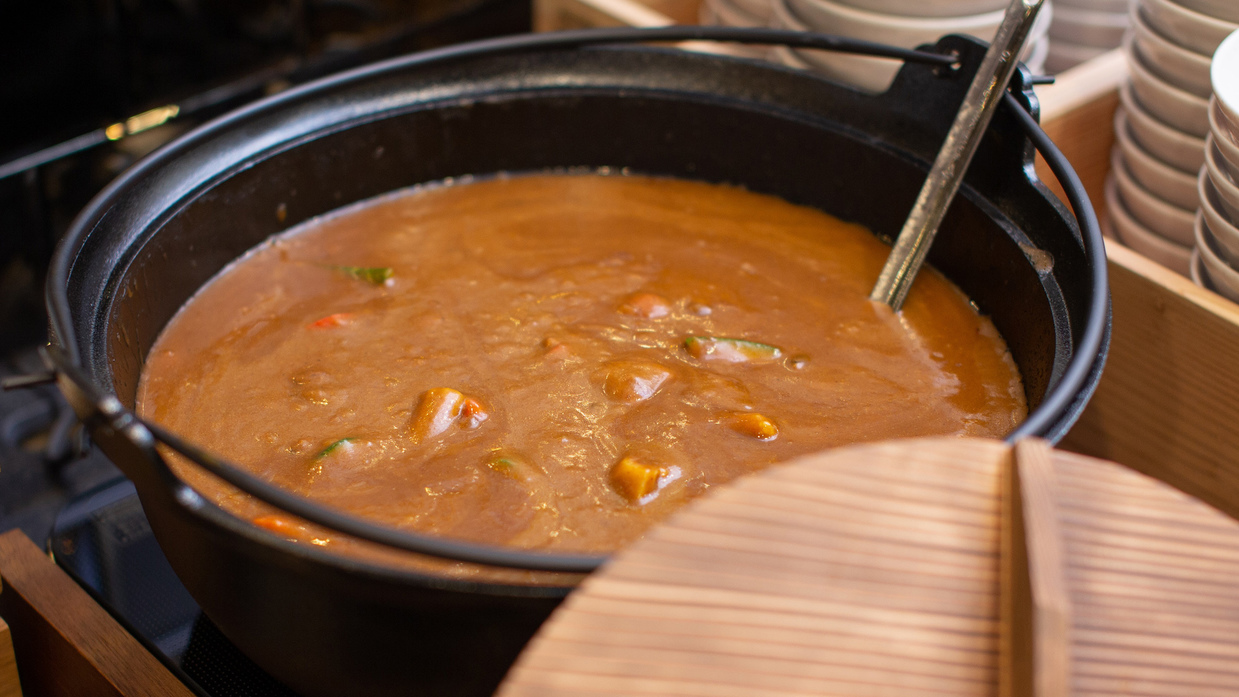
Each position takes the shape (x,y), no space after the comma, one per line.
(984,94)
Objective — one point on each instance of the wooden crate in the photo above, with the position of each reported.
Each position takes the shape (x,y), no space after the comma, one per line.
(66,644)
(10,685)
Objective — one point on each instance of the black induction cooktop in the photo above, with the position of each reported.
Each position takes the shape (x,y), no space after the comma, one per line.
(103,540)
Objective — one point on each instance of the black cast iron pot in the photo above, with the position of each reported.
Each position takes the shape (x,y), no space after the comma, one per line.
(333,626)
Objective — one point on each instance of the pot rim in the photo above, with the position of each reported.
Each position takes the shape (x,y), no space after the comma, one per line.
(1050,419)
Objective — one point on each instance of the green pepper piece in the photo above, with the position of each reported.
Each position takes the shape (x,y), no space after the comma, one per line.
(376,275)
(730,350)
(332,448)
(509,466)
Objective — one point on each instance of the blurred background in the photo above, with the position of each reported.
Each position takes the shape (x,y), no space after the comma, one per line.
(75,73)
(89,86)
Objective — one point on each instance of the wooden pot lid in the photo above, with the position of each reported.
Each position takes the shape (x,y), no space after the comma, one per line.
(924,567)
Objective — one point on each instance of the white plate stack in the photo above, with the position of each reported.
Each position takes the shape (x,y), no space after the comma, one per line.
(1161,125)
(1215,262)
(904,23)
(1084,29)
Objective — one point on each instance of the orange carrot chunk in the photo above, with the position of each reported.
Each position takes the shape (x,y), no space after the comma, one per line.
(282,526)
(634,480)
(556,348)
(646,305)
(437,410)
(289,530)
(339,319)
(751,424)
(472,414)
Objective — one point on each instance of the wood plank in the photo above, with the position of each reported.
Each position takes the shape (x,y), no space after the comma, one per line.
(780,627)
(658,631)
(1043,540)
(1015,647)
(1036,611)
(66,645)
(1161,625)
(1077,112)
(10,684)
(1167,403)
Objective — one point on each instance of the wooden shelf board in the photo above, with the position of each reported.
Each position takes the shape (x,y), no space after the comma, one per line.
(66,645)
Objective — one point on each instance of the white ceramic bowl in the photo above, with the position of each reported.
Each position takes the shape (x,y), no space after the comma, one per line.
(1171,62)
(1088,27)
(1063,55)
(1170,145)
(870,74)
(1095,5)
(929,8)
(1227,10)
(1131,233)
(1225,76)
(730,14)
(1223,182)
(722,13)
(862,72)
(1149,209)
(865,73)
(1225,279)
(1220,122)
(906,31)
(757,11)
(897,30)
(788,57)
(876,74)
(757,8)
(1036,54)
(1188,28)
(1174,185)
(1172,105)
(1221,225)
(1198,274)
(1225,140)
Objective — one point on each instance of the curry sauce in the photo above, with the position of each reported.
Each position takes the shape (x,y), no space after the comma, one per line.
(559,361)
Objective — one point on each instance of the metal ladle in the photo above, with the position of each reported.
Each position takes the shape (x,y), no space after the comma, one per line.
(984,94)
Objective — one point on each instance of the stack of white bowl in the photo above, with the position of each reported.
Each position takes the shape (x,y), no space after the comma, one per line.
(1084,29)
(904,23)
(1161,125)
(1215,263)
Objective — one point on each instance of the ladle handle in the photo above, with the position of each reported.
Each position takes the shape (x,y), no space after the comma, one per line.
(957,150)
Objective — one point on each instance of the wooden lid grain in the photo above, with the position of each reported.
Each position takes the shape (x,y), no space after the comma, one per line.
(927,567)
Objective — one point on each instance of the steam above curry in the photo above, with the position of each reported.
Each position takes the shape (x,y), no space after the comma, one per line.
(559,361)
